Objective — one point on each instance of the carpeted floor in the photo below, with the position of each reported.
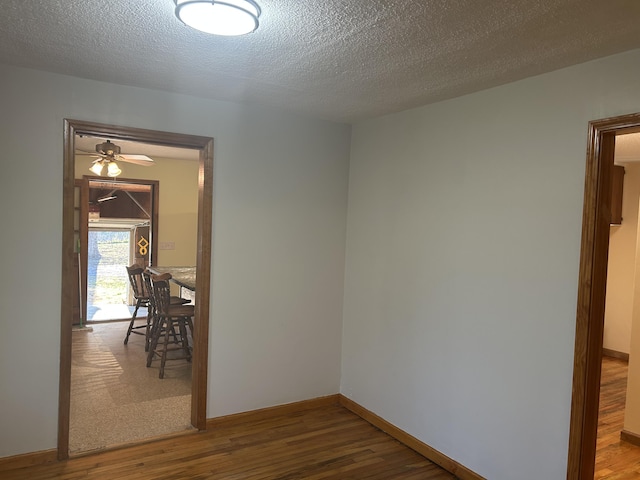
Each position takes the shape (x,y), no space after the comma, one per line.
(115,398)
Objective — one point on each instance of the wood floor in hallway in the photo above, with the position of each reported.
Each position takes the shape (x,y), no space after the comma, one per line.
(615,459)
(328,442)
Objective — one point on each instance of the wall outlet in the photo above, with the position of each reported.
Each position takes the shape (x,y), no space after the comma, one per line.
(167,245)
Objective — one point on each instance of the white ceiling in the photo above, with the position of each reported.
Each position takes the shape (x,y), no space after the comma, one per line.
(627,148)
(340,60)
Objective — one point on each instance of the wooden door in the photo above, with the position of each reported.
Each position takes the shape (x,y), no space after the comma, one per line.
(79,297)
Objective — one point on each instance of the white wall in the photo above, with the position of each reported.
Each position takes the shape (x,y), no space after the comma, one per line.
(632,406)
(280,192)
(621,267)
(463,242)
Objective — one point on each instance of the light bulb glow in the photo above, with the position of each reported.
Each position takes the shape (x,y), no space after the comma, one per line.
(96,168)
(113,170)
(227,17)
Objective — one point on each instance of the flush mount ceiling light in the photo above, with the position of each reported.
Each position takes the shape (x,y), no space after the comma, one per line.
(227,17)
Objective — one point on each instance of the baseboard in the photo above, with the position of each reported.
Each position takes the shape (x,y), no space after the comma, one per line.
(269,412)
(615,354)
(460,471)
(28,459)
(629,437)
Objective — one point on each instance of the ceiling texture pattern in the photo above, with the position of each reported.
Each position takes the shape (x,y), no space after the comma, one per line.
(341,60)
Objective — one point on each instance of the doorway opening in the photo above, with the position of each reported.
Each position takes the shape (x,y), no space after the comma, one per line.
(617,455)
(592,282)
(109,253)
(204,147)
(116,399)
(114,215)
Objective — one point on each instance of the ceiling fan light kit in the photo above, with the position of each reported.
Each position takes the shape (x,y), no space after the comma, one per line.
(228,17)
(112,167)
(108,153)
(108,148)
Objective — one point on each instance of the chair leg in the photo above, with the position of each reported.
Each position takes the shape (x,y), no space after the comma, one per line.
(190,325)
(149,330)
(169,334)
(163,357)
(184,342)
(133,319)
(155,336)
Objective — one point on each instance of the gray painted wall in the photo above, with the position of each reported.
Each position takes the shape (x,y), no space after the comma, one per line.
(463,245)
(280,194)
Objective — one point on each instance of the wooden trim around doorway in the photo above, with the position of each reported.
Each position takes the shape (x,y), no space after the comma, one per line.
(591,292)
(203,262)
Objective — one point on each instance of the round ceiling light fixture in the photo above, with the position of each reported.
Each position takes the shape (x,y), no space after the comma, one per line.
(227,17)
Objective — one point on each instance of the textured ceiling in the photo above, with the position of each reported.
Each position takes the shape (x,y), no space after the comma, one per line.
(339,60)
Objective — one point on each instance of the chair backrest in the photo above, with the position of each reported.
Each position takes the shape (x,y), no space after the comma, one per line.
(161,293)
(146,276)
(137,282)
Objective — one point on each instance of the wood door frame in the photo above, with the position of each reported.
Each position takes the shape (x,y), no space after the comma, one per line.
(203,262)
(84,184)
(592,279)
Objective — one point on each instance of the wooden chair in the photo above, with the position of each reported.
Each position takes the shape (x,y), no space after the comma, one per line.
(141,294)
(169,332)
(138,278)
(151,308)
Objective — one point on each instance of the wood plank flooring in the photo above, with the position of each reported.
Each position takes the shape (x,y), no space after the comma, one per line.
(324,443)
(615,459)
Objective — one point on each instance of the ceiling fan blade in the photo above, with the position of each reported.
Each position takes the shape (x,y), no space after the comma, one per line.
(84,153)
(137,159)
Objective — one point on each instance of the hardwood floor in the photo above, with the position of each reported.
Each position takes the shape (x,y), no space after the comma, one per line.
(615,459)
(324,443)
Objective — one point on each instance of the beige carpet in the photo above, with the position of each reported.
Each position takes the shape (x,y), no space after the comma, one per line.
(115,398)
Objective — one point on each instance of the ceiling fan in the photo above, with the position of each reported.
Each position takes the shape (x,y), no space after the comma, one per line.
(109,153)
